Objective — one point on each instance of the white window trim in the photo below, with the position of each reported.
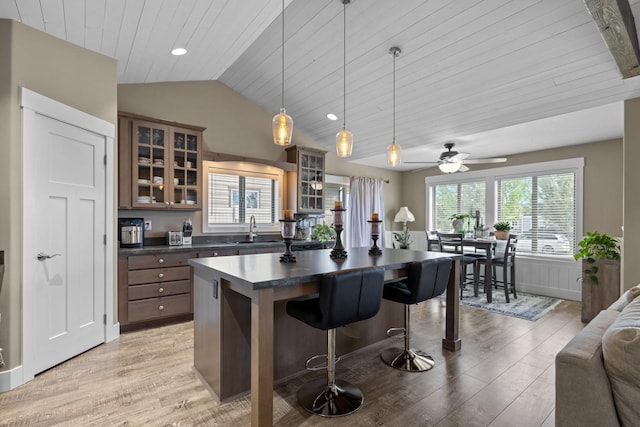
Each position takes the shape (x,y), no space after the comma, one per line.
(248,169)
(492,176)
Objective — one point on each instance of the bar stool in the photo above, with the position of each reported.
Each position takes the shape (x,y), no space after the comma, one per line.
(425,280)
(345,297)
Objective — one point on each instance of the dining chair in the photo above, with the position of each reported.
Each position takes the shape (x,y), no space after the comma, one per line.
(453,243)
(506,260)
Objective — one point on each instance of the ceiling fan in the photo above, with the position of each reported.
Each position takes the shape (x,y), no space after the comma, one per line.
(452,161)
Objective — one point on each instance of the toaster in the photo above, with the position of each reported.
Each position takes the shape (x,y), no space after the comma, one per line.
(174,238)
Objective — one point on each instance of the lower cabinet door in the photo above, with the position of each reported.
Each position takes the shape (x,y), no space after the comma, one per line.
(157,308)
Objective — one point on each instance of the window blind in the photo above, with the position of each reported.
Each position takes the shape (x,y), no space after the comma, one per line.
(457,198)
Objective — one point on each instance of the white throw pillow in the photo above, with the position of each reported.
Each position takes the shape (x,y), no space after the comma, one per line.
(621,353)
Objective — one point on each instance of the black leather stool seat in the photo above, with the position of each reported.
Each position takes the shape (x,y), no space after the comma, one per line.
(425,280)
(345,297)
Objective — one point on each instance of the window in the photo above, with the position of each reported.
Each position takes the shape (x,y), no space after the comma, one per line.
(542,201)
(235,191)
(457,198)
(542,209)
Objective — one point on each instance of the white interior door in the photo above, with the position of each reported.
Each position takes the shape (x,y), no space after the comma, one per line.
(64,249)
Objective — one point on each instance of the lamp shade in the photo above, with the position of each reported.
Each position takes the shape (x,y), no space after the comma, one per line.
(344,143)
(404,215)
(282,128)
(450,167)
(394,154)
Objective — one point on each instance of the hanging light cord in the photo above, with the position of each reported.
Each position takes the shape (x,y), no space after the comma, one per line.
(282,53)
(344,66)
(394,53)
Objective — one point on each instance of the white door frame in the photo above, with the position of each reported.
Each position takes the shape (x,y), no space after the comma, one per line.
(61,112)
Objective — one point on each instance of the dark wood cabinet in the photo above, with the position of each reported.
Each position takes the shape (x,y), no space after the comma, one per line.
(310,182)
(159,164)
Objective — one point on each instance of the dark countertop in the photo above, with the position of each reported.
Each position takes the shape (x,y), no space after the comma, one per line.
(260,271)
(164,249)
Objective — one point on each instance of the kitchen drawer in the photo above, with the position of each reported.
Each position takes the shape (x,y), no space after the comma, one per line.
(138,262)
(217,252)
(156,308)
(153,275)
(153,290)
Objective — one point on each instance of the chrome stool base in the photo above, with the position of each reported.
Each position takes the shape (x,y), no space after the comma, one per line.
(407,360)
(322,399)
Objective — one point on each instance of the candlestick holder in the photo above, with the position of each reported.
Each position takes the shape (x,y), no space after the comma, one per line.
(375,234)
(288,231)
(338,251)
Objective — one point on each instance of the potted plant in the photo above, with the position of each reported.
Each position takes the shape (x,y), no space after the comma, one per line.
(323,233)
(457,222)
(403,239)
(600,254)
(502,230)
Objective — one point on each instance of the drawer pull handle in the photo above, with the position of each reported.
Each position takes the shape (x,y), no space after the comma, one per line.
(161,275)
(215,254)
(161,290)
(161,307)
(161,261)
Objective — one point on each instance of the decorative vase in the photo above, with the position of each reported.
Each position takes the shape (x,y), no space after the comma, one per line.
(501,235)
(458,225)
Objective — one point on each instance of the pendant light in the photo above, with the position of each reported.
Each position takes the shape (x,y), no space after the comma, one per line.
(394,152)
(282,123)
(344,138)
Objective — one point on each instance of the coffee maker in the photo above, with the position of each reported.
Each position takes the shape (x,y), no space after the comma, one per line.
(131,232)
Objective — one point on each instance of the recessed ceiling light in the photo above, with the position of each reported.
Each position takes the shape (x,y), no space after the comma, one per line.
(179,51)
(332,116)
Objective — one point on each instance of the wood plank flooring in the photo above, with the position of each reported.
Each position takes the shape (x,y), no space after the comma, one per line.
(504,376)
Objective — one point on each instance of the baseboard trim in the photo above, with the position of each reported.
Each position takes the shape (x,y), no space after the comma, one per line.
(549,292)
(11,379)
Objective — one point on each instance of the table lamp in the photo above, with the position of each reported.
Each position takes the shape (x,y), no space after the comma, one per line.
(404,215)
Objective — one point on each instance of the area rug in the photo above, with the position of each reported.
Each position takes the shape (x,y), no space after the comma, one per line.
(526,306)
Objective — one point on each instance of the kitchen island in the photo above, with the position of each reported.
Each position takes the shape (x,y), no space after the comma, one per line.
(243,338)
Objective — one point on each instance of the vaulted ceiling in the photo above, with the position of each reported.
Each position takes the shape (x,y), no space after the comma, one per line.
(499,77)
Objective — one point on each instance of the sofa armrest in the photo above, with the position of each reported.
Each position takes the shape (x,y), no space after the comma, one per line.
(583,392)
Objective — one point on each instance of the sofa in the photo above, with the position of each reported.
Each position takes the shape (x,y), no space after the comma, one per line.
(598,371)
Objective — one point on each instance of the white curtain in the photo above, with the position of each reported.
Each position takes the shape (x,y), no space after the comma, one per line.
(365,197)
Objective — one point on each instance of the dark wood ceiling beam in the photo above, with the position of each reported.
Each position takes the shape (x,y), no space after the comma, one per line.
(618,28)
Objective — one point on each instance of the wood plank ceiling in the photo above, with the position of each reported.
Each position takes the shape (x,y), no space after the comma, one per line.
(467,68)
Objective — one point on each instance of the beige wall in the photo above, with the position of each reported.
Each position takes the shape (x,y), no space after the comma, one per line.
(602,183)
(58,70)
(234,125)
(630,265)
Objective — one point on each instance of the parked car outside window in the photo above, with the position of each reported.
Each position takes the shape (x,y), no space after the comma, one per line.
(548,243)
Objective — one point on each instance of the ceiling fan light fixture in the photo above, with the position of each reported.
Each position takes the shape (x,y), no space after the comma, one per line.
(282,123)
(394,152)
(450,167)
(344,138)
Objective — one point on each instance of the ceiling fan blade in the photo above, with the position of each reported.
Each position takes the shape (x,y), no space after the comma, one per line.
(424,163)
(463,168)
(489,160)
(458,157)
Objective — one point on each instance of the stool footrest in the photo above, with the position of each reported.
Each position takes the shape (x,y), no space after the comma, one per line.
(310,360)
(392,332)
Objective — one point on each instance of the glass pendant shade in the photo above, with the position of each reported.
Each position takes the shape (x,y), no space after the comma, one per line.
(344,143)
(282,128)
(394,154)
(450,167)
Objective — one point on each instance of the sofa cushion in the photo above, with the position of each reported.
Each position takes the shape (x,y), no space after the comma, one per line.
(621,353)
(583,393)
(625,299)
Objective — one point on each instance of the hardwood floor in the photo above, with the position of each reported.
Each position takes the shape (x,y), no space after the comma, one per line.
(504,376)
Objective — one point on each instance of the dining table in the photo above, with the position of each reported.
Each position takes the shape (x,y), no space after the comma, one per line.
(485,244)
(238,312)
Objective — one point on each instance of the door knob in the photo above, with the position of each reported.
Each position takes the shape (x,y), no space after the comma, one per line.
(42,256)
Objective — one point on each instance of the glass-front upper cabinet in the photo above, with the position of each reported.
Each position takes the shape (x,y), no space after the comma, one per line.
(162,168)
(310,178)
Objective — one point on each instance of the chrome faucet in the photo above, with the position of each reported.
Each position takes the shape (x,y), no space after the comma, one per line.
(253,229)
